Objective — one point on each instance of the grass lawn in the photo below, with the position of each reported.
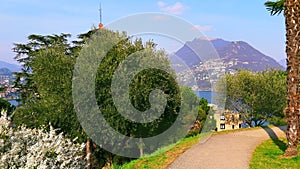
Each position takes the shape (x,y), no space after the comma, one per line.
(267,156)
(160,160)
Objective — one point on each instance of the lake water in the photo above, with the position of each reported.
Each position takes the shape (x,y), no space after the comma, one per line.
(208,95)
(13,102)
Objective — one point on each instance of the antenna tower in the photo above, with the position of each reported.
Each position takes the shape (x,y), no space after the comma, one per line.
(100,16)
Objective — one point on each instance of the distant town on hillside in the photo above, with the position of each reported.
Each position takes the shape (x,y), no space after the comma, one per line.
(8,91)
(232,56)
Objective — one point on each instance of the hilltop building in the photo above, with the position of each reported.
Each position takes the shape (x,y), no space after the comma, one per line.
(227,120)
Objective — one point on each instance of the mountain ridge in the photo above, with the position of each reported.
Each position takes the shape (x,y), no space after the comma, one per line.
(200,63)
(241,53)
(5,71)
(10,66)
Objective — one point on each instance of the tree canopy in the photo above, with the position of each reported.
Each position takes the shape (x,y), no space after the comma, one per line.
(258,97)
(136,91)
(6,106)
(49,64)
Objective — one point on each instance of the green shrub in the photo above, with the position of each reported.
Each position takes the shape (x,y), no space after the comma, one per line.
(277,121)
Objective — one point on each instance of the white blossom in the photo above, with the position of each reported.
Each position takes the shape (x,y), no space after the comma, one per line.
(35,148)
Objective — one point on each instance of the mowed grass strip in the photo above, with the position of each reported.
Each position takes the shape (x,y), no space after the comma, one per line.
(162,158)
(268,156)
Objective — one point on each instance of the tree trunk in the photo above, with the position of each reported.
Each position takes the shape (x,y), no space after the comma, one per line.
(292,112)
(141,147)
(299,129)
(88,153)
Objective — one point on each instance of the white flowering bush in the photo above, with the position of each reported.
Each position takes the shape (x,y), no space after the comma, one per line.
(35,148)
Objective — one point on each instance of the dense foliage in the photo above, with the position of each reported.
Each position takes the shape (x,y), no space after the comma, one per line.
(5,105)
(46,88)
(259,97)
(46,95)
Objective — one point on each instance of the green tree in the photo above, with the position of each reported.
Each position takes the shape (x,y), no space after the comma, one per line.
(146,69)
(46,93)
(6,106)
(257,96)
(292,112)
(25,53)
(48,68)
(205,116)
(202,110)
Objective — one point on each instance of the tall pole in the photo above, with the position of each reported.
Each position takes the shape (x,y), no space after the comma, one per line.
(100,16)
(100,12)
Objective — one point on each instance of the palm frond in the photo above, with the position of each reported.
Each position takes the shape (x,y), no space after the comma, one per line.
(275,7)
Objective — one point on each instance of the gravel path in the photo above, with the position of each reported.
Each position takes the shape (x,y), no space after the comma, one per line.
(226,151)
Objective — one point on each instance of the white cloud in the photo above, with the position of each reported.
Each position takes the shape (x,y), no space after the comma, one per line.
(202,28)
(177,8)
(161,4)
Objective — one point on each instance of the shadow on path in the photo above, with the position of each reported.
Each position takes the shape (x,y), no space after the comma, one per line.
(275,138)
(282,128)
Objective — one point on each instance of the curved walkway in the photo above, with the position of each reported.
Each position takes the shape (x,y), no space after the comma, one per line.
(226,151)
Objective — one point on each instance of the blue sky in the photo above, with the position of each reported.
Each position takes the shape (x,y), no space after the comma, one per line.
(233,20)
